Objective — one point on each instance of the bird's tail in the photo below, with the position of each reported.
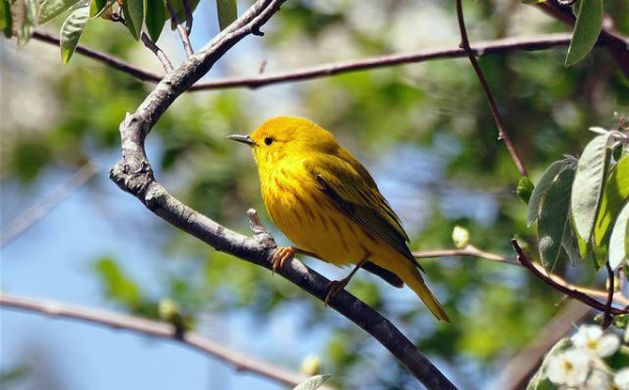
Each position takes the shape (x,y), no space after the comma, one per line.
(411,276)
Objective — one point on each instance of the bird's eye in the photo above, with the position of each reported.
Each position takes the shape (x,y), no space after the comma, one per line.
(268,140)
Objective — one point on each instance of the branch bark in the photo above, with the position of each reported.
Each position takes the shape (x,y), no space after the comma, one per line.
(134,175)
(238,360)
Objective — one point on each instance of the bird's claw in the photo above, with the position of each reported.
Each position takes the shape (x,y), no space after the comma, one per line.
(282,255)
(334,286)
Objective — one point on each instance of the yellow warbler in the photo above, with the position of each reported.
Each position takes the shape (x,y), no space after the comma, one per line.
(328,205)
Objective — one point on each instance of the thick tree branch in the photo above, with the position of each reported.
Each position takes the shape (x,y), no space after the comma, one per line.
(502,134)
(567,289)
(134,174)
(542,42)
(163,330)
(472,251)
(30,217)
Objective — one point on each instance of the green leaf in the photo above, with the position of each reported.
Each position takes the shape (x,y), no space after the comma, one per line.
(118,285)
(619,240)
(227,12)
(28,22)
(97,7)
(571,246)
(313,382)
(540,189)
(71,31)
(588,185)
(155,17)
(586,30)
(180,11)
(133,11)
(524,189)
(6,21)
(554,217)
(615,194)
(51,8)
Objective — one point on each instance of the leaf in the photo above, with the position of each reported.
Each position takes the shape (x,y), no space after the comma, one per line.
(571,246)
(540,190)
(554,217)
(532,1)
(26,24)
(588,185)
(6,21)
(619,240)
(586,30)
(524,189)
(155,17)
(71,31)
(118,285)
(227,12)
(313,382)
(97,7)
(180,11)
(133,11)
(615,194)
(51,8)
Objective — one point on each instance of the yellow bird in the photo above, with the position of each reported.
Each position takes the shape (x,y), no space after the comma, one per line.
(329,206)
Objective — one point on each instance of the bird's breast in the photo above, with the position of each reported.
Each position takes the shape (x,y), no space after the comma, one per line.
(304,213)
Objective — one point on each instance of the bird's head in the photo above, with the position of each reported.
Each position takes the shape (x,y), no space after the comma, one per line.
(286,138)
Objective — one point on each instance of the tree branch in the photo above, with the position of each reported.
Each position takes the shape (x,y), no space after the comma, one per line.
(30,217)
(159,53)
(472,251)
(567,289)
(134,174)
(502,134)
(162,330)
(480,48)
(184,32)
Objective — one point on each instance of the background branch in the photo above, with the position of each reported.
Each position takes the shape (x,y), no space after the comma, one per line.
(134,174)
(238,360)
(502,134)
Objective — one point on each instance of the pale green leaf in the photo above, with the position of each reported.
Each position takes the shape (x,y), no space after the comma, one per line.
(71,31)
(51,8)
(588,185)
(155,18)
(29,9)
(133,11)
(619,240)
(615,194)
(554,217)
(313,382)
(586,30)
(98,6)
(540,189)
(227,12)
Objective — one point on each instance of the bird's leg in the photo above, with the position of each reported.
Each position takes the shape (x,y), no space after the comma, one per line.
(336,286)
(282,255)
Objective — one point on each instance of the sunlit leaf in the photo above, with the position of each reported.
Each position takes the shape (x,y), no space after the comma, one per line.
(615,194)
(540,190)
(71,31)
(588,185)
(227,11)
(524,189)
(586,30)
(133,11)
(97,7)
(313,382)
(51,8)
(155,18)
(554,217)
(619,240)
(25,24)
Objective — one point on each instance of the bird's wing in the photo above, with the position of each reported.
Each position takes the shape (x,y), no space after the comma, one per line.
(354,192)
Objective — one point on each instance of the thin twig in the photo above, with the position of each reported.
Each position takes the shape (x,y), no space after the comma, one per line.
(472,251)
(542,42)
(188,11)
(238,360)
(133,173)
(183,32)
(30,217)
(502,134)
(159,53)
(607,314)
(565,289)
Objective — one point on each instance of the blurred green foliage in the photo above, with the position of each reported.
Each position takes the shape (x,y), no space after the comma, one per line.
(434,109)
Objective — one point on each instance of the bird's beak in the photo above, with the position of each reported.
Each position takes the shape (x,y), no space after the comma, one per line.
(245,139)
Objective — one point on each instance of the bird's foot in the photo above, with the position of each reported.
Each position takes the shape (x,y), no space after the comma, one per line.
(334,287)
(282,255)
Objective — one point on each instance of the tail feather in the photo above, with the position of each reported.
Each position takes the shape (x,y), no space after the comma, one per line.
(414,280)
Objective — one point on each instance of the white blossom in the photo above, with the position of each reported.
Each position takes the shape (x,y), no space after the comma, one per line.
(598,380)
(569,368)
(592,338)
(621,379)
